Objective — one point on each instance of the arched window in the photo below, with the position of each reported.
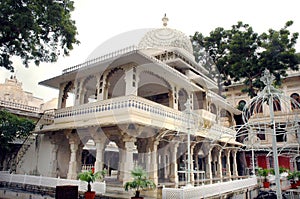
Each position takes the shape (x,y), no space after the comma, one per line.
(296,98)
(213,109)
(276,104)
(241,105)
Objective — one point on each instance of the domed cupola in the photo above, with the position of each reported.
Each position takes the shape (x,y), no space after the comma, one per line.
(166,38)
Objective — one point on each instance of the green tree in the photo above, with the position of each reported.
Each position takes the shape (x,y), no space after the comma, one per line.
(12,127)
(35,30)
(241,55)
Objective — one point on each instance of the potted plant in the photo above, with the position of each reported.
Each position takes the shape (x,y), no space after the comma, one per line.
(140,182)
(90,177)
(264,173)
(292,176)
(298,181)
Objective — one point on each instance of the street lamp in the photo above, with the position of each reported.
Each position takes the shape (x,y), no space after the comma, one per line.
(189,112)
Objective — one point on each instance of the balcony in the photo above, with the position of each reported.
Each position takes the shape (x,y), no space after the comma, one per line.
(120,110)
(127,110)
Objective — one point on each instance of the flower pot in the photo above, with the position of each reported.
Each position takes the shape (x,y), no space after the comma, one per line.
(266,184)
(137,197)
(294,185)
(298,182)
(89,195)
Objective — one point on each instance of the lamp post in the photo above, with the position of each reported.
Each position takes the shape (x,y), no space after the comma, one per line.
(188,111)
(268,80)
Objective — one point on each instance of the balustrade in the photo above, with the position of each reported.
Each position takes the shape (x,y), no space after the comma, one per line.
(210,190)
(99,187)
(19,106)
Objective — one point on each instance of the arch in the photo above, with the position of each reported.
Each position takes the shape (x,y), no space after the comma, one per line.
(213,108)
(276,104)
(155,88)
(69,86)
(226,118)
(115,83)
(89,89)
(241,105)
(256,106)
(182,99)
(295,99)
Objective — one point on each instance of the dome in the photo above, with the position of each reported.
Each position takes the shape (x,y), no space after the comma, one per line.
(166,38)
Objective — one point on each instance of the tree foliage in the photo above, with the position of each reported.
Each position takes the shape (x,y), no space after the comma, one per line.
(12,127)
(35,30)
(241,55)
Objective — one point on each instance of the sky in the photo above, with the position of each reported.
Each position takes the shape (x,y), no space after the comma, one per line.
(99,21)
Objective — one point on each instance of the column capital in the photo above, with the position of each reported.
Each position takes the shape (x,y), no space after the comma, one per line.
(72,136)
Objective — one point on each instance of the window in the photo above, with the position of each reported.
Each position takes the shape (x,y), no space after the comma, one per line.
(296,98)
(261,134)
(241,105)
(280,133)
(276,104)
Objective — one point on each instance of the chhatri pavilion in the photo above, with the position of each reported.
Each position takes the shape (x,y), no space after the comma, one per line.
(140,105)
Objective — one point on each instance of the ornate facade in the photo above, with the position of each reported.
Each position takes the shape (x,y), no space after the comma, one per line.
(147,100)
(286,137)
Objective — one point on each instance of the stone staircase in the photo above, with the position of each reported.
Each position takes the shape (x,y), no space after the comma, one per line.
(25,146)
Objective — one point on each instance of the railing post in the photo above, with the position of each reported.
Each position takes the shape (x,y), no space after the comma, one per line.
(24,181)
(40,180)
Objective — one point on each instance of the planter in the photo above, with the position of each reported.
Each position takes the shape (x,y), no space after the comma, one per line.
(90,195)
(266,184)
(294,185)
(298,183)
(137,197)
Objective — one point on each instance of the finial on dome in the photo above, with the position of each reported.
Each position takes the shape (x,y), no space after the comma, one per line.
(165,20)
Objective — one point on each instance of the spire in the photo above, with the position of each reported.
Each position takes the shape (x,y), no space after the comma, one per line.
(165,20)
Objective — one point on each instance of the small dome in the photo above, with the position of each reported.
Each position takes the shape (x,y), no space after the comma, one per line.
(166,38)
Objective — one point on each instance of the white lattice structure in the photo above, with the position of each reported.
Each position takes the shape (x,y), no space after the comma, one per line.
(211,190)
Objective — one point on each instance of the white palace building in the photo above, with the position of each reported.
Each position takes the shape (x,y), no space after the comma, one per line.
(141,105)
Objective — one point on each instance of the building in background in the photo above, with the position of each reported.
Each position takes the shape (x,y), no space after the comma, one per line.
(23,104)
(287,142)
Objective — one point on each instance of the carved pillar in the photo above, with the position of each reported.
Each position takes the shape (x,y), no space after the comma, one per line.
(192,163)
(154,170)
(74,143)
(131,81)
(147,161)
(166,162)
(97,86)
(234,166)
(102,92)
(100,146)
(121,164)
(53,162)
(175,98)
(78,92)
(208,166)
(60,95)
(220,167)
(228,169)
(128,158)
(161,165)
(173,163)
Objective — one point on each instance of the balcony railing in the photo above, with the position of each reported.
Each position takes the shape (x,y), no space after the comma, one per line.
(113,107)
(42,181)
(19,106)
(207,191)
(100,59)
(134,109)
